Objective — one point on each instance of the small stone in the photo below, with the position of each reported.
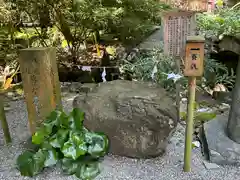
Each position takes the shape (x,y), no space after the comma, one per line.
(15,98)
(10,94)
(64,94)
(178,144)
(7,108)
(210,165)
(225,105)
(214,153)
(184,100)
(181,140)
(18,173)
(183,123)
(196,144)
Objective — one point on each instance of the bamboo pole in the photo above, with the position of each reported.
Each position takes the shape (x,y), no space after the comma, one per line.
(189,128)
(4,123)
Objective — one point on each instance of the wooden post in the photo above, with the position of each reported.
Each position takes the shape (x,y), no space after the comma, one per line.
(3,119)
(40,83)
(193,68)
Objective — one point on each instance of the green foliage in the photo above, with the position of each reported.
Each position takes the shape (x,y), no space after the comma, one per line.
(5,13)
(217,73)
(123,18)
(224,21)
(201,114)
(77,20)
(141,68)
(8,52)
(63,138)
(69,25)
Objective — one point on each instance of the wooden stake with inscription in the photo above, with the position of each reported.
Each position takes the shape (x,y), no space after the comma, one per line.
(193,68)
(40,83)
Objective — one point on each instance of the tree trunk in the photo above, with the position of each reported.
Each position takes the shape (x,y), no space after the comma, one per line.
(233,127)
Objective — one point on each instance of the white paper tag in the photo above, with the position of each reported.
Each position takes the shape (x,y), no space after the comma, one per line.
(104,75)
(155,70)
(86,68)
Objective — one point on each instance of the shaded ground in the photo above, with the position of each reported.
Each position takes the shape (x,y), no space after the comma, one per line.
(168,167)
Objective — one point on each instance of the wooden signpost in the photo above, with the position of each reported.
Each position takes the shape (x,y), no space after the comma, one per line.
(194,59)
(40,83)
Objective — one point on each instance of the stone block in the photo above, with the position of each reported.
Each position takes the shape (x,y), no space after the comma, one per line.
(220,148)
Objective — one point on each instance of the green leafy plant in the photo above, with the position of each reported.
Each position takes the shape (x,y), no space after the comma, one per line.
(217,73)
(63,139)
(142,68)
(202,113)
(224,21)
(143,65)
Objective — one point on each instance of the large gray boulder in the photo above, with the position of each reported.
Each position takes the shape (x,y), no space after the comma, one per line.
(138,117)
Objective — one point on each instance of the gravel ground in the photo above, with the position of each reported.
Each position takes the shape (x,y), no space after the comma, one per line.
(168,167)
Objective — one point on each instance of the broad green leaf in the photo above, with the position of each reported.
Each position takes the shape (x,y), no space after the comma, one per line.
(39,137)
(205,116)
(63,120)
(183,116)
(195,105)
(46,145)
(76,118)
(88,171)
(53,141)
(69,166)
(39,159)
(97,144)
(69,150)
(60,155)
(54,115)
(52,120)
(25,164)
(78,139)
(51,158)
(58,140)
(74,151)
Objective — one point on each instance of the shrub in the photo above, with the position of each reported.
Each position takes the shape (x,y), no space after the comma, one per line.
(153,66)
(144,65)
(223,22)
